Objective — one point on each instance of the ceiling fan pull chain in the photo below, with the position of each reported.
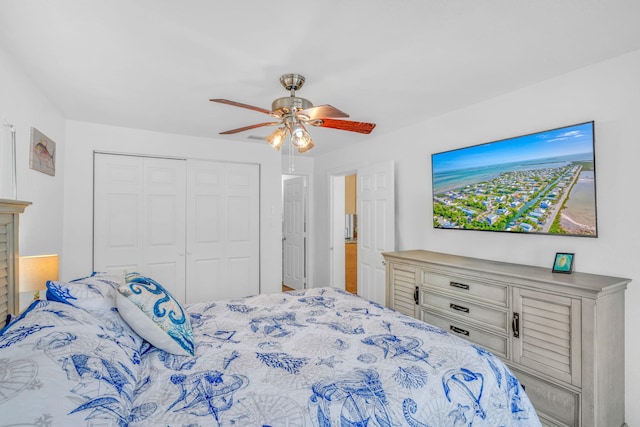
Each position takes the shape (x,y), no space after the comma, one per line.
(291,159)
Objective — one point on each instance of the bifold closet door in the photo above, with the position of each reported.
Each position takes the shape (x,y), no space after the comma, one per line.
(193,225)
(139,218)
(223,229)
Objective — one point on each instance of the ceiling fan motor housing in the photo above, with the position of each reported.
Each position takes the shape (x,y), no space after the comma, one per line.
(292,81)
(290,104)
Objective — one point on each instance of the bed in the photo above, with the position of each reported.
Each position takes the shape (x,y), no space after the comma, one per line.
(318,357)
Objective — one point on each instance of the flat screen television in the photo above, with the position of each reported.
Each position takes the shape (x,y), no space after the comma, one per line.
(541,183)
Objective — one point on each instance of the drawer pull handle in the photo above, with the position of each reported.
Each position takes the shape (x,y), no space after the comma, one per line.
(459,285)
(416,295)
(459,308)
(459,330)
(515,325)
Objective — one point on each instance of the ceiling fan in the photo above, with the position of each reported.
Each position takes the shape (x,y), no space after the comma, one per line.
(293,114)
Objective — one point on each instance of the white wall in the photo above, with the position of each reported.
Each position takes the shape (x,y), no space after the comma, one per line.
(24,105)
(85,138)
(609,93)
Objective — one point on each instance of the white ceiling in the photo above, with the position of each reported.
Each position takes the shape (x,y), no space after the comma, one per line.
(154,64)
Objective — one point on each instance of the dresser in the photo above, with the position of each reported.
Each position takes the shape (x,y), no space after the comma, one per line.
(562,335)
(9,211)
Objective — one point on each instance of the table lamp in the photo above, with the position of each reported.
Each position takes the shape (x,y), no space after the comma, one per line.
(34,271)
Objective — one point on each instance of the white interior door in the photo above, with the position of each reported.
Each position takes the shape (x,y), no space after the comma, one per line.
(223,229)
(294,233)
(139,218)
(376,227)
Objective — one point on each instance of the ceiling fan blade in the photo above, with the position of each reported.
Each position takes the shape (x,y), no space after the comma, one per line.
(242,129)
(361,127)
(241,105)
(322,111)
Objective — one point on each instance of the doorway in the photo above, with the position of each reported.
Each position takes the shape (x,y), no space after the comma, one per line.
(375,201)
(350,235)
(344,245)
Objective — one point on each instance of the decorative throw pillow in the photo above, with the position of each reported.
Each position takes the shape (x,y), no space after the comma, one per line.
(155,315)
(97,291)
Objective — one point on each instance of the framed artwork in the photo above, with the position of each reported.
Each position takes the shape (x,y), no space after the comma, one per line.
(42,155)
(563,263)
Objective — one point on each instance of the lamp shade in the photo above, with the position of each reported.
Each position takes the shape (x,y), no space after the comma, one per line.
(277,137)
(34,271)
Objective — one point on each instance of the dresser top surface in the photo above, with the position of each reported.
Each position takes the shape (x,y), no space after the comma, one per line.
(585,281)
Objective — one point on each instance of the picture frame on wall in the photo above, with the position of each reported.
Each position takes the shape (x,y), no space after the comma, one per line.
(563,263)
(42,153)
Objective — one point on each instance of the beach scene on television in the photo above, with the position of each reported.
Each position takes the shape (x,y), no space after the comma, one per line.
(538,183)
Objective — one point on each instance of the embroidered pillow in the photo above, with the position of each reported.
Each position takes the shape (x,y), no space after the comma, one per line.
(97,291)
(155,315)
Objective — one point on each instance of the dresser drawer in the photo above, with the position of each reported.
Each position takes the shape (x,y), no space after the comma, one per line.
(553,403)
(486,316)
(495,343)
(463,287)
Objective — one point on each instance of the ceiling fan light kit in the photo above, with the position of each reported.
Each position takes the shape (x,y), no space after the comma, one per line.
(300,138)
(277,138)
(293,113)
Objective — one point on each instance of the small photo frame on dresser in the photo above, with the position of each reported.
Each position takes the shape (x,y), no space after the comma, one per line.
(563,263)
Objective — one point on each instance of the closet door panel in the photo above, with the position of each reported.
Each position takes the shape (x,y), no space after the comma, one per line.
(239,215)
(139,218)
(164,219)
(243,219)
(239,277)
(223,232)
(205,272)
(118,213)
(207,219)
(165,189)
(205,231)
(122,224)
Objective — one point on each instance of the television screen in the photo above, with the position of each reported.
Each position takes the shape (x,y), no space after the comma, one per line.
(541,183)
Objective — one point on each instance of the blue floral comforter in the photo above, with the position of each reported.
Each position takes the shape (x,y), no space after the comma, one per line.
(319,357)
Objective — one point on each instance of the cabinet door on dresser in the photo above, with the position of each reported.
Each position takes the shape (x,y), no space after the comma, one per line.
(548,332)
(402,282)
(547,340)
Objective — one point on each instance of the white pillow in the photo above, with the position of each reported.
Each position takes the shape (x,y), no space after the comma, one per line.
(155,315)
(96,291)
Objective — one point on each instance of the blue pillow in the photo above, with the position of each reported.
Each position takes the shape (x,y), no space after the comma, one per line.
(155,315)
